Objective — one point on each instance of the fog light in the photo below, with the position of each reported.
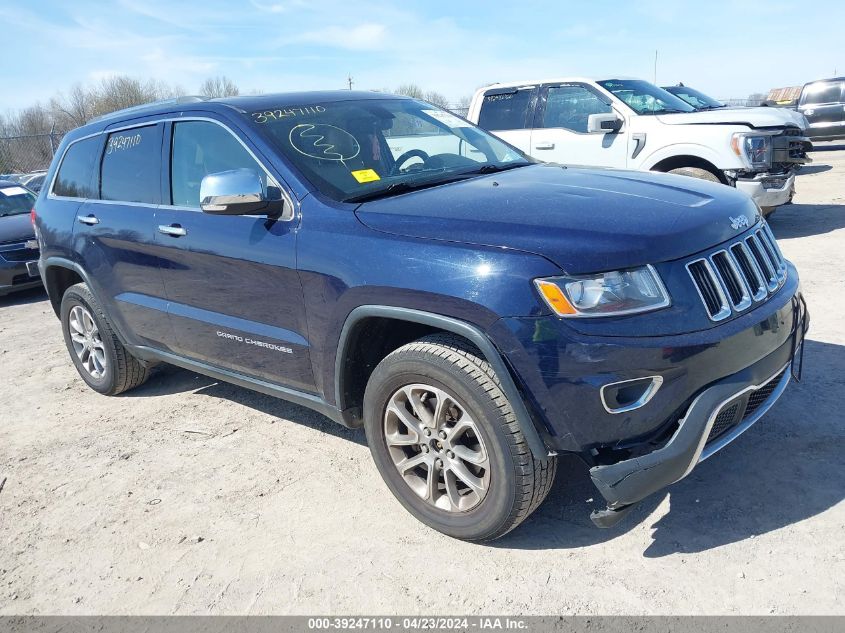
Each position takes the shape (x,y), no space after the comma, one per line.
(627,395)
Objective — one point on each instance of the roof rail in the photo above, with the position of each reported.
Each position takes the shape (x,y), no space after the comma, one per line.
(149,106)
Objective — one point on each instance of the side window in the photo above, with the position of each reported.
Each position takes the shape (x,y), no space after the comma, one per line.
(131,170)
(201,148)
(569,107)
(505,110)
(76,173)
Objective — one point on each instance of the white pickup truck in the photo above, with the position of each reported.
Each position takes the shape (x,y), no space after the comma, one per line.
(633,124)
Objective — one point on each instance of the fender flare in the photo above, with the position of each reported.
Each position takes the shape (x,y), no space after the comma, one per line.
(456,326)
(62,262)
(701,152)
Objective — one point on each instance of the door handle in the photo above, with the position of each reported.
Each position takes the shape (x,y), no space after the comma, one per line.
(172,229)
(545,145)
(90,220)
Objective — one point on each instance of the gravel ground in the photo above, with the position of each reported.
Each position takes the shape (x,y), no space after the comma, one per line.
(191,496)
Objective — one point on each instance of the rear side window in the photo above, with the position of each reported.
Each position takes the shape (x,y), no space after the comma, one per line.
(505,110)
(201,148)
(76,173)
(822,93)
(131,170)
(570,107)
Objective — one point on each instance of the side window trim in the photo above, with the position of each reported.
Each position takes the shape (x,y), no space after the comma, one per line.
(165,183)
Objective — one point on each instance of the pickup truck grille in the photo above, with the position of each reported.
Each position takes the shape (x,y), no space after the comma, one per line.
(789,148)
(735,277)
(17,252)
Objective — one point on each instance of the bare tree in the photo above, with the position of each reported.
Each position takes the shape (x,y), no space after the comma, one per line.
(432,96)
(220,86)
(410,90)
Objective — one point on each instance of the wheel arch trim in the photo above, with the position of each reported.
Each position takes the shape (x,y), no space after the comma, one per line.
(449,324)
(61,262)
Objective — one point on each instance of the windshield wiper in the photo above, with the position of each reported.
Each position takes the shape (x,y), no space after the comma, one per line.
(492,168)
(396,188)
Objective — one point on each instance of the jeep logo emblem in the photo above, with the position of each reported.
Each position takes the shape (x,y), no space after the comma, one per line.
(738,223)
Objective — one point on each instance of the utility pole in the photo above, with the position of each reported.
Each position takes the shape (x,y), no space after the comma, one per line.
(655,67)
(349,81)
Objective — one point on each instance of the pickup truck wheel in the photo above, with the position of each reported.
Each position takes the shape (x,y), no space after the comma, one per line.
(446,442)
(100,358)
(696,172)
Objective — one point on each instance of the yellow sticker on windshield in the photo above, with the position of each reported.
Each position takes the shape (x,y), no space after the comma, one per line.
(365,175)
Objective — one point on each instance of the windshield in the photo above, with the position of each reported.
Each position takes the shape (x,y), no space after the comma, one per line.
(696,99)
(359,149)
(645,98)
(15,201)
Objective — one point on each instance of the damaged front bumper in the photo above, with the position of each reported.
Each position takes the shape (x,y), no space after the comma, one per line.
(768,190)
(716,417)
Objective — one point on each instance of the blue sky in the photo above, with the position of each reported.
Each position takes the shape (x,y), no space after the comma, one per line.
(725,48)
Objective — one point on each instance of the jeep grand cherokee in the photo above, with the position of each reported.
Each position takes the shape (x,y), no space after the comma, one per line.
(393,266)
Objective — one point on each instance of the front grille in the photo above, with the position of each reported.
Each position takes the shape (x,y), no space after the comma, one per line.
(761,395)
(730,280)
(19,254)
(743,408)
(790,147)
(725,420)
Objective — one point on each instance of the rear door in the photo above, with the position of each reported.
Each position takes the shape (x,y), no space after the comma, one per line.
(560,131)
(234,291)
(508,113)
(114,233)
(823,103)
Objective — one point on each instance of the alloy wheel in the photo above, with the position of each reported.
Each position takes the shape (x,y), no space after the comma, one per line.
(86,341)
(437,448)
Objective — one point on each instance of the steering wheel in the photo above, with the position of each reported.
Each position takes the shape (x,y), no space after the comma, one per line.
(411,153)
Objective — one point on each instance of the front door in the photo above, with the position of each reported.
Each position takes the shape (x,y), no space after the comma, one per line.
(234,292)
(560,130)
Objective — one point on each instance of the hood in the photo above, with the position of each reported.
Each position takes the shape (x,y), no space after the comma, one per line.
(789,116)
(16,228)
(584,220)
(751,117)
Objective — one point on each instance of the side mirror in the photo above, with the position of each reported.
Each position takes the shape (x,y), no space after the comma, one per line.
(238,192)
(603,123)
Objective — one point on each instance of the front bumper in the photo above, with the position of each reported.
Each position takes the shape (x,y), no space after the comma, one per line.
(18,275)
(716,417)
(768,190)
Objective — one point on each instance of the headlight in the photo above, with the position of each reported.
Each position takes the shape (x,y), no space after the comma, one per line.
(754,149)
(605,294)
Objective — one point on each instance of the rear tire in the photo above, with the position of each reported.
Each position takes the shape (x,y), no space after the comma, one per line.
(490,482)
(100,358)
(696,172)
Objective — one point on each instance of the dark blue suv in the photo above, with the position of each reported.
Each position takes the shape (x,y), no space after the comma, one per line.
(392,266)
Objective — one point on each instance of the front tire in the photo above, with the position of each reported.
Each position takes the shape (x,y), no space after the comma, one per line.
(445,440)
(100,358)
(696,172)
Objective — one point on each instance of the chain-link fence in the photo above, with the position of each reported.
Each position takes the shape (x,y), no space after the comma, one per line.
(27,153)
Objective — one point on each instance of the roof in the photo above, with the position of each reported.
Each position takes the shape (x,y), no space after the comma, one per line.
(250,103)
(554,80)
